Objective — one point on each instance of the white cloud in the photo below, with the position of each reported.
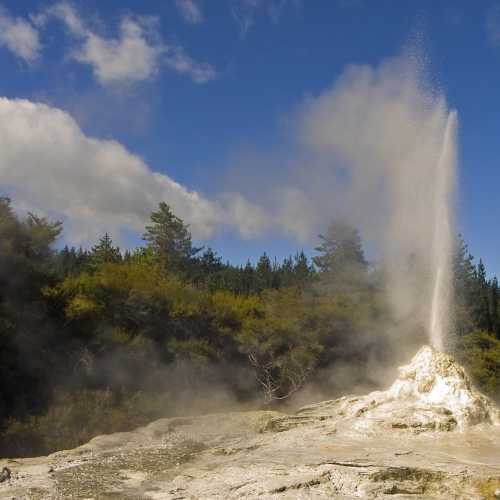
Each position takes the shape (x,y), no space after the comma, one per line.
(130,58)
(19,36)
(137,54)
(46,159)
(64,12)
(190,11)
(51,167)
(177,59)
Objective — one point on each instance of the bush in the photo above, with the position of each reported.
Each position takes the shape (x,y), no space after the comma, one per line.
(479,352)
(73,419)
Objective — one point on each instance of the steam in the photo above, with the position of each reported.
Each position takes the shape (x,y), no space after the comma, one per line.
(391,138)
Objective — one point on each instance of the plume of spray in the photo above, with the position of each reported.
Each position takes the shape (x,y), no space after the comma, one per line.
(384,140)
(442,245)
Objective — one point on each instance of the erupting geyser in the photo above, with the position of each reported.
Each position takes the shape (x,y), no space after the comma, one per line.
(442,243)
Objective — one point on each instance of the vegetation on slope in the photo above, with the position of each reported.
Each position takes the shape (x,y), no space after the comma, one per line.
(102,340)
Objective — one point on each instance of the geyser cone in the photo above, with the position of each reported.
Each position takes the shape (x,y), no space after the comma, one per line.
(432,393)
(436,380)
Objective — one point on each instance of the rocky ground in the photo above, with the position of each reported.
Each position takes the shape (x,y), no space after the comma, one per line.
(431,435)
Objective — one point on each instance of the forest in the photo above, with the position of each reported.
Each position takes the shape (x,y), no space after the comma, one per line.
(101,340)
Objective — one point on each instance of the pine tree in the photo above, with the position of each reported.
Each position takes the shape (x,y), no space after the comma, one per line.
(341,262)
(104,252)
(340,246)
(287,272)
(70,261)
(302,270)
(206,268)
(264,273)
(465,289)
(495,324)
(481,301)
(170,239)
(248,279)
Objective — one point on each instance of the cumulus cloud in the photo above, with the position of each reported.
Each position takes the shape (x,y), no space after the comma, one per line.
(137,54)
(52,167)
(190,11)
(127,59)
(19,36)
(48,162)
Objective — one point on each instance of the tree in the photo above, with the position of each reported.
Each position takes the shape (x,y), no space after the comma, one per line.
(170,239)
(282,347)
(341,260)
(25,330)
(302,271)
(264,273)
(495,324)
(70,260)
(205,269)
(104,252)
(481,308)
(247,278)
(464,288)
(287,272)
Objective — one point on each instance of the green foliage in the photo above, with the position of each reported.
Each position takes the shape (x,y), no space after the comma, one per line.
(480,354)
(70,261)
(170,239)
(476,304)
(341,261)
(279,346)
(99,341)
(104,252)
(73,419)
(25,331)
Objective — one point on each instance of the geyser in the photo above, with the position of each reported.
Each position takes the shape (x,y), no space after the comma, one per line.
(442,243)
(387,140)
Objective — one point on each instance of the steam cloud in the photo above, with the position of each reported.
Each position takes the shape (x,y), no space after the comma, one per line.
(390,139)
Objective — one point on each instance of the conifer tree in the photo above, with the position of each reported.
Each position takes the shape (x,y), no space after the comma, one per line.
(287,272)
(481,301)
(341,262)
(301,269)
(170,239)
(104,252)
(248,285)
(264,273)
(495,325)
(464,288)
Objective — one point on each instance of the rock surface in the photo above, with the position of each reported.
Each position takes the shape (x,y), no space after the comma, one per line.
(430,435)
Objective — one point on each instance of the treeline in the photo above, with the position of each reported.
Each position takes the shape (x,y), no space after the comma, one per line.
(100,340)
(206,270)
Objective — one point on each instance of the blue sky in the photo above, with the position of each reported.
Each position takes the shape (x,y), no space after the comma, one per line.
(210,92)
